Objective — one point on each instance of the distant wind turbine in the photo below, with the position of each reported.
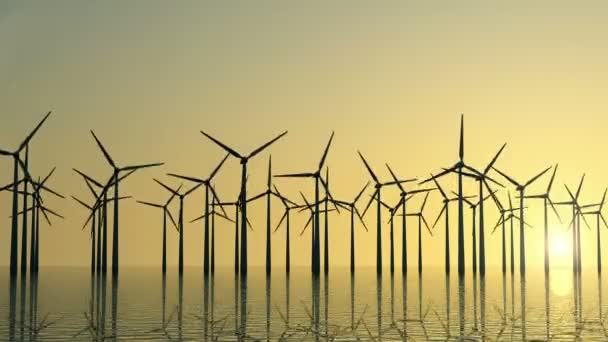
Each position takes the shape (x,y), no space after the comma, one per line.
(244,159)
(521,187)
(421,220)
(352,207)
(288,205)
(599,216)
(115,174)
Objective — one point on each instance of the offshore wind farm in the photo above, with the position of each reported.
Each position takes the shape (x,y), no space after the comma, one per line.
(219,180)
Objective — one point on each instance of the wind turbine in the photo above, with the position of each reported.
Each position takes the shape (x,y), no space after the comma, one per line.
(391,211)
(180,224)
(547,202)
(473,207)
(288,205)
(599,216)
(482,178)
(100,206)
(244,160)
(267,193)
(502,220)
(576,222)
(352,207)
(313,214)
(405,195)
(214,203)
(458,169)
(115,175)
(316,175)
(18,163)
(421,220)
(445,208)
(521,187)
(207,183)
(166,213)
(378,185)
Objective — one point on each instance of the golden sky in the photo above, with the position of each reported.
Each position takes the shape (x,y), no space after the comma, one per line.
(391,80)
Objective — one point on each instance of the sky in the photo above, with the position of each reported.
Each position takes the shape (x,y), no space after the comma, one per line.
(391,80)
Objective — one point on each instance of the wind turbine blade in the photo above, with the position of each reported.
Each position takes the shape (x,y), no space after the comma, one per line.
(394,178)
(150,204)
(281,221)
(369,169)
(82,203)
(217,168)
(510,201)
(222,145)
(257,197)
(141,166)
(5,153)
(120,179)
(552,178)
(554,210)
(361,219)
(31,135)
(45,188)
(306,225)
(439,216)
(88,178)
(603,199)
(424,203)
(439,187)
(571,195)
(224,217)
(537,176)
(192,190)
(493,181)
(249,224)
(603,220)
(381,203)
(322,162)
(198,218)
(191,179)
(46,217)
(52,212)
(165,186)
(485,171)
(296,175)
(360,193)
(173,194)
(171,218)
(440,174)
(493,193)
(400,181)
(103,149)
(261,148)
(585,221)
(511,180)
(420,190)
(461,150)
(370,202)
(218,200)
(426,224)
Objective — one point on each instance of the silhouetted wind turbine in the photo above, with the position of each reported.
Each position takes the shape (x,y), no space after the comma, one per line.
(482,178)
(267,194)
(458,169)
(115,174)
(100,206)
(378,185)
(473,207)
(445,208)
(288,205)
(576,222)
(421,220)
(244,160)
(501,222)
(547,202)
(180,224)
(214,203)
(316,175)
(313,214)
(405,195)
(166,213)
(599,216)
(18,163)
(391,211)
(207,184)
(521,188)
(352,207)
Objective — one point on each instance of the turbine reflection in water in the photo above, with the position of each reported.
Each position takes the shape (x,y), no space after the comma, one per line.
(362,306)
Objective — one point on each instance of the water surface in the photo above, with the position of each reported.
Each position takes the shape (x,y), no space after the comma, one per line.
(141,304)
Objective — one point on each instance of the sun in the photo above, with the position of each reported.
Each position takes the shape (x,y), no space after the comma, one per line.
(559,245)
(560,248)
